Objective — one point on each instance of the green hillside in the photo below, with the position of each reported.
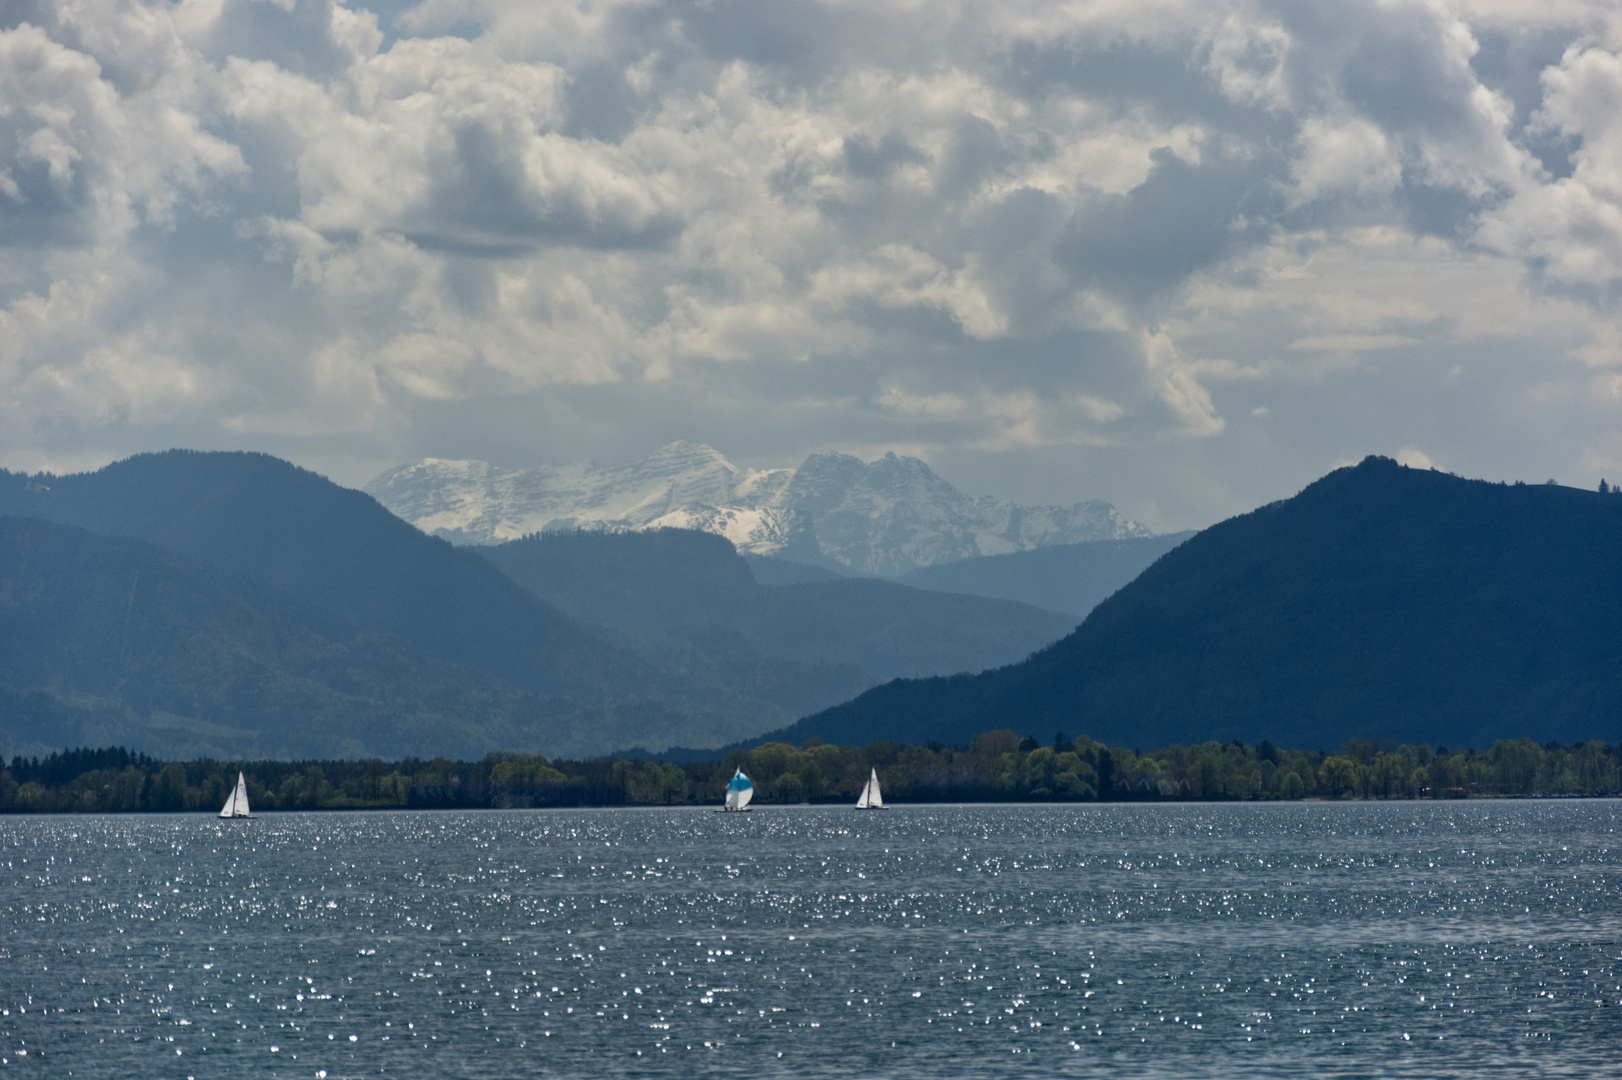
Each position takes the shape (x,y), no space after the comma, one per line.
(337,548)
(1380,603)
(105,639)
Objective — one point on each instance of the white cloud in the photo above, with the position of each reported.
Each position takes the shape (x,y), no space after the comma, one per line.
(895,276)
(1572,226)
(1345,156)
(974,228)
(1414,459)
(1178,386)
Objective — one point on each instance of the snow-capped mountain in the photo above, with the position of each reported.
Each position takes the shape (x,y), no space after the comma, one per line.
(885,517)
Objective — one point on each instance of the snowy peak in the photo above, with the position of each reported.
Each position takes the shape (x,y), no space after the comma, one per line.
(885,517)
(895,515)
(683,485)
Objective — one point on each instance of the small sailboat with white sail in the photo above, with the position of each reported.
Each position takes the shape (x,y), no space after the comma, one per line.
(871,798)
(739,792)
(237,805)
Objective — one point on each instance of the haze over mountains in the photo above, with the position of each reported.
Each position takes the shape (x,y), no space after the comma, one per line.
(689,598)
(1381,603)
(423,647)
(883,518)
(1072,578)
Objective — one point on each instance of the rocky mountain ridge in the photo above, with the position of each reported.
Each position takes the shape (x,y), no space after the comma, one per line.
(885,518)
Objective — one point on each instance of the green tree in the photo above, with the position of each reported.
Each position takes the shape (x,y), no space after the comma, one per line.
(169,790)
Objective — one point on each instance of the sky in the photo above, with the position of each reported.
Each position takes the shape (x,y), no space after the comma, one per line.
(1183,256)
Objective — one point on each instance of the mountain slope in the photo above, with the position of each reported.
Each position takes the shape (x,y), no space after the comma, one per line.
(690,599)
(1072,578)
(111,641)
(884,517)
(1381,602)
(771,570)
(337,548)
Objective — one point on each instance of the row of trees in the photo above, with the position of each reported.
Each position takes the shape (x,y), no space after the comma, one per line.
(1001,766)
(997,766)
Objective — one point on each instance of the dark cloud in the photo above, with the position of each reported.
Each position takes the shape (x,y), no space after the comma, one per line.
(870,160)
(1167,80)
(1184,217)
(601,104)
(485,199)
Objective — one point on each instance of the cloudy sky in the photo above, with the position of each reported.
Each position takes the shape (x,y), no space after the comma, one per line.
(1185,256)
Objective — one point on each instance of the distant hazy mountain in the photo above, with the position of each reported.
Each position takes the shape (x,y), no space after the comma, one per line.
(271,611)
(110,641)
(1072,578)
(687,599)
(1381,602)
(338,549)
(884,517)
(770,570)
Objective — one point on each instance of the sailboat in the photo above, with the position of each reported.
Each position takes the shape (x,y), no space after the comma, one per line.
(871,798)
(739,792)
(237,804)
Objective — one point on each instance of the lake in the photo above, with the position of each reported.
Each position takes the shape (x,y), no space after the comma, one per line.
(1370,939)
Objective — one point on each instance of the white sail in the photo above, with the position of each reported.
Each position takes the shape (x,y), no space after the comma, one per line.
(870,799)
(237,804)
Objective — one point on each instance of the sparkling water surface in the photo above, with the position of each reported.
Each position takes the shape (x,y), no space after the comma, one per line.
(1380,940)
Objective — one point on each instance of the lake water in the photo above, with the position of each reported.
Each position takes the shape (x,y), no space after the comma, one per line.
(1379,940)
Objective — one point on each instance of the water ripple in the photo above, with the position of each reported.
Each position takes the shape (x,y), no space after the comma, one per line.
(1208,940)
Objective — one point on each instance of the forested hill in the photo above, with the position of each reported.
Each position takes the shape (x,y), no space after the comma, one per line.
(1380,602)
(105,638)
(257,515)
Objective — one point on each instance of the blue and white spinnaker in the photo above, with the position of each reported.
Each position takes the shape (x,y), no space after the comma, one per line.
(739,792)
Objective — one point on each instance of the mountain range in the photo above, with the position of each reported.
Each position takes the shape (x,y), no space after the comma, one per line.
(255,569)
(881,518)
(1381,602)
(235,605)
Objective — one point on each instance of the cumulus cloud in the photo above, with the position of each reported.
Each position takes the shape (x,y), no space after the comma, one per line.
(1572,226)
(1105,245)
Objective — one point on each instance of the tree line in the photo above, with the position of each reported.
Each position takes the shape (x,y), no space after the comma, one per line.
(997,766)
